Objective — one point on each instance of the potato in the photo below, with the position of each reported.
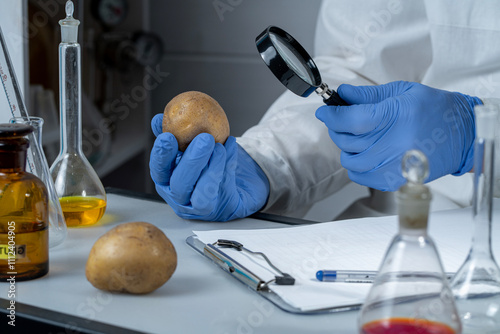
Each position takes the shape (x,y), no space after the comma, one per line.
(191,113)
(132,257)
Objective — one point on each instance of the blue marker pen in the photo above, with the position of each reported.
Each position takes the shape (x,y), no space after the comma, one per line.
(346,276)
(352,276)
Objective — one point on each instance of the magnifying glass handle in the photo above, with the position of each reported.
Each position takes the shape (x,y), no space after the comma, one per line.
(335,100)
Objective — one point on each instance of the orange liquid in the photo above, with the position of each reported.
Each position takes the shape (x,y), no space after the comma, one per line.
(406,326)
(82,211)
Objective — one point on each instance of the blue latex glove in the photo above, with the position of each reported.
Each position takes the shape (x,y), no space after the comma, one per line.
(209,181)
(385,121)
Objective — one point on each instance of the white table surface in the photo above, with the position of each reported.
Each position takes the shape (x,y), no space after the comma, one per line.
(199,297)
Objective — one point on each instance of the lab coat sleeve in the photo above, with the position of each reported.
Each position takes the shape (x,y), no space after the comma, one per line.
(465,55)
(293,147)
(294,150)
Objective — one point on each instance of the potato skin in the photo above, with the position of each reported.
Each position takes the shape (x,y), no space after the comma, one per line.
(132,257)
(191,113)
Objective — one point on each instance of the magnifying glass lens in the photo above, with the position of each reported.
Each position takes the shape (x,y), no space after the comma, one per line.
(293,59)
(293,66)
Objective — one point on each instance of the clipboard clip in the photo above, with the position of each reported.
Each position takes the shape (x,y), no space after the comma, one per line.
(281,279)
(229,244)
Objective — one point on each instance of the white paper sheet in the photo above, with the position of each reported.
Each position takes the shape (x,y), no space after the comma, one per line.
(358,244)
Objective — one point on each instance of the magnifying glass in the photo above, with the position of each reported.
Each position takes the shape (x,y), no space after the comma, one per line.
(293,66)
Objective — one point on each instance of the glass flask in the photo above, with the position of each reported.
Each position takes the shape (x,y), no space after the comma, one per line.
(37,162)
(476,285)
(410,293)
(80,191)
(57,224)
(24,210)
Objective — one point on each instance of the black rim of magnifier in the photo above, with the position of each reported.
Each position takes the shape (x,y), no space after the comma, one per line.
(279,66)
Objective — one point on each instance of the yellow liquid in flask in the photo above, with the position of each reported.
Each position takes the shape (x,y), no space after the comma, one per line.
(81,210)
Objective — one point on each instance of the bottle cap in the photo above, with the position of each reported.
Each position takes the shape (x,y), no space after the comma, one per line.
(12,136)
(69,26)
(14,130)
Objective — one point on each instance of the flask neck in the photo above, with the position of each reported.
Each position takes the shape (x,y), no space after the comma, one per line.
(483,197)
(481,240)
(71,132)
(70,98)
(404,230)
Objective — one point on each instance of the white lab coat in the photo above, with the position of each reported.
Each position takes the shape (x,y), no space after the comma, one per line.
(447,44)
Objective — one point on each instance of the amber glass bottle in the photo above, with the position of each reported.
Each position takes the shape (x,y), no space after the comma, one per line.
(24,239)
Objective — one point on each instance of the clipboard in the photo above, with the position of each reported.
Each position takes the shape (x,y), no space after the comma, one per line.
(254,282)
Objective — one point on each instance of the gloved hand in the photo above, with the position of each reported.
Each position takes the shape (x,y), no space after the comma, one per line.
(209,181)
(385,121)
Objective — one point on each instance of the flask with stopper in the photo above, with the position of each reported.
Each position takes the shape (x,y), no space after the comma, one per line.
(81,193)
(410,293)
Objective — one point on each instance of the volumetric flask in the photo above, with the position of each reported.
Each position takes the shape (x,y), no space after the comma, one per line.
(81,193)
(37,164)
(476,285)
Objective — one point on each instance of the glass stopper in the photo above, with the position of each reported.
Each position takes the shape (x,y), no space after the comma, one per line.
(70,8)
(415,167)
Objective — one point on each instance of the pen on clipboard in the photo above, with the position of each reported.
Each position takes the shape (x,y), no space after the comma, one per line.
(351,276)
(346,276)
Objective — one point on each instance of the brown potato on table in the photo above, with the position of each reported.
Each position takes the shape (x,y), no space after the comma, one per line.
(132,257)
(191,113)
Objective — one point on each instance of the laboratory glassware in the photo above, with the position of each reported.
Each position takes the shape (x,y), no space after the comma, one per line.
(293,66)
(24,210)
(37,162)
(55,237)
(410,293)
(476,285)
(81,193)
